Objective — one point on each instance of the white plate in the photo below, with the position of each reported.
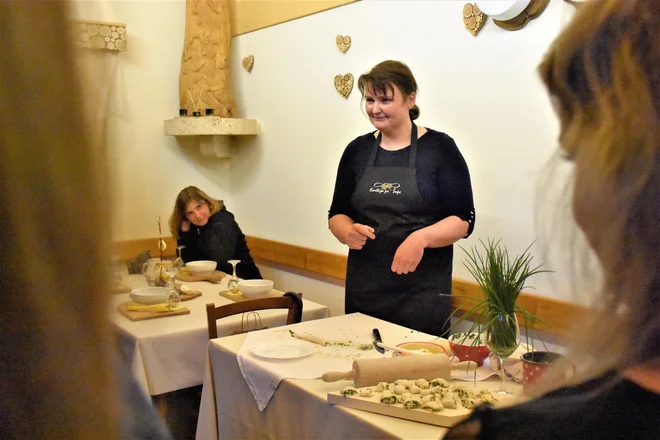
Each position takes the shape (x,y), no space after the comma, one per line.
(282,349)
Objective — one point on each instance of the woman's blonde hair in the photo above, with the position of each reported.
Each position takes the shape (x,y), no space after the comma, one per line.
(603,73)
(57,371)
(187,195)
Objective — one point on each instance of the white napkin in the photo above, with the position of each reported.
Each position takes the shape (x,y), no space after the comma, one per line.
(263,375)
(481,373)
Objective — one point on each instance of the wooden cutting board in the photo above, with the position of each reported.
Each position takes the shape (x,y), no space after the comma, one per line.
(215,277)
(238,297)
(447,417)
(141,316)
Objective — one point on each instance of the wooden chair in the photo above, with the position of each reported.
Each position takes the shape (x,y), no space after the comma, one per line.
(289,300)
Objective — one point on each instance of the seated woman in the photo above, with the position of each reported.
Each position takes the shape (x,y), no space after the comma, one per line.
(209,232)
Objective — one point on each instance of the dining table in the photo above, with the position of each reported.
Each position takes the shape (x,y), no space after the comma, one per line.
(299,408)
(169,353)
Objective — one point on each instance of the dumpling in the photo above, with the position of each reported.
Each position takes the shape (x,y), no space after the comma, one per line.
(387,397)
(426,392)
(366,392)
(403,382)
(470,402)
(412,403)
(449,402)
(433,406)
(349,391)
(465,393)
(415,389)
(439,383)
(399,389)
(429,398)
(489,399)
(422,383)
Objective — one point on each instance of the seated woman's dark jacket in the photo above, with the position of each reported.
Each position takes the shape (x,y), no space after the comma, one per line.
(220,240)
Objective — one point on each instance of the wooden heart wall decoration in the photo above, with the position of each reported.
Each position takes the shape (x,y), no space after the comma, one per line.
(343,43)
(473,18)
(248,62)
(344,84)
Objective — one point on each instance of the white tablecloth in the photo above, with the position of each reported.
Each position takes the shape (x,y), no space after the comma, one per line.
(169,353)
(299,407)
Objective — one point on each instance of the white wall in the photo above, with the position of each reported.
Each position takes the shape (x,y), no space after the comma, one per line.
(483,91)
(149,169)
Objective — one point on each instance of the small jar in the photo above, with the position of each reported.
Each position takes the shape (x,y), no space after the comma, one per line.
(183,112)
(197,113)
(210,112)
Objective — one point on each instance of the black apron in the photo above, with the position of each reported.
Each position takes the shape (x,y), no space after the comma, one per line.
(388,199)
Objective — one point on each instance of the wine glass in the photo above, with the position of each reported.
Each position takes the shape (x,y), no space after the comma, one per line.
(170,274)
(233,282)
(179,260)
(502,339)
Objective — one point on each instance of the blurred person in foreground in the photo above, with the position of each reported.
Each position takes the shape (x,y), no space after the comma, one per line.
(603,73)
(60,375)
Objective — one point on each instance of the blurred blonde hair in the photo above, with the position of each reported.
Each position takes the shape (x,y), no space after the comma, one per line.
(187,195)
(57,377)
(603,74)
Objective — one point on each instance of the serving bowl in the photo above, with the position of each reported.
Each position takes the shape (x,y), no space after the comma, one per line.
(201,268)
(469,347)
(255,288)
(150,295)
(422,347)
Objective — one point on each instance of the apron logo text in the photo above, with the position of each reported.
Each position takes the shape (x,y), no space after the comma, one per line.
(385,188)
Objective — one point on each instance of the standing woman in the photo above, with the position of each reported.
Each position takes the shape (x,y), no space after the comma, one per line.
(402,198)
(209,232)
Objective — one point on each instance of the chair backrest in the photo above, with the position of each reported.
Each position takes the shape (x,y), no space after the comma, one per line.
(289,300)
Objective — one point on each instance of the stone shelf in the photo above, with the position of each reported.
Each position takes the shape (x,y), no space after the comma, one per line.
(214,133)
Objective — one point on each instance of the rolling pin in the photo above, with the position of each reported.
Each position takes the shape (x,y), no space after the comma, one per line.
(368,372)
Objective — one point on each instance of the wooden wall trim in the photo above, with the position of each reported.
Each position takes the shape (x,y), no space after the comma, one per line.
(250,15)
(559,317)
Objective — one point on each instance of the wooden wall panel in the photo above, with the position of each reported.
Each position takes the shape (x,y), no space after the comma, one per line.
(558,317)
(251,15)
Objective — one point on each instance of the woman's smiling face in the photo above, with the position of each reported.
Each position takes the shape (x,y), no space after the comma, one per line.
(388,110)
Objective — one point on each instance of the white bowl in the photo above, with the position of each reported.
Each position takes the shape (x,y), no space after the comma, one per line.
(201,268)
(255,288)
(150,295)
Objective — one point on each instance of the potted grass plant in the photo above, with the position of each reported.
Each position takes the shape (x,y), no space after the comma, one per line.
(501,279)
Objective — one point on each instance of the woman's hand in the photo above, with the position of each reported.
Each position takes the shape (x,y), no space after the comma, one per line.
(185,226)
(358,234)
(409,254)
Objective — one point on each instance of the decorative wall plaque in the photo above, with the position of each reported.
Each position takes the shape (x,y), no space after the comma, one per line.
(512,15)
(248,61)
(100,35)
(343,43)
(344,84)
(473,18)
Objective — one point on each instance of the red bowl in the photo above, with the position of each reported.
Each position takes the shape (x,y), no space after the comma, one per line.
(466,348)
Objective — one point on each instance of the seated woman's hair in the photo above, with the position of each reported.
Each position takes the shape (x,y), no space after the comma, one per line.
(187,195)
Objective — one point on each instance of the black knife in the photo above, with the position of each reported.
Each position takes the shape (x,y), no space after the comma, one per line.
(377,338)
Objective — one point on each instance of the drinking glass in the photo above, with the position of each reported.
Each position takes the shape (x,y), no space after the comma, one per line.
(502,339)
(233,282)
(170,275)
(179,261)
